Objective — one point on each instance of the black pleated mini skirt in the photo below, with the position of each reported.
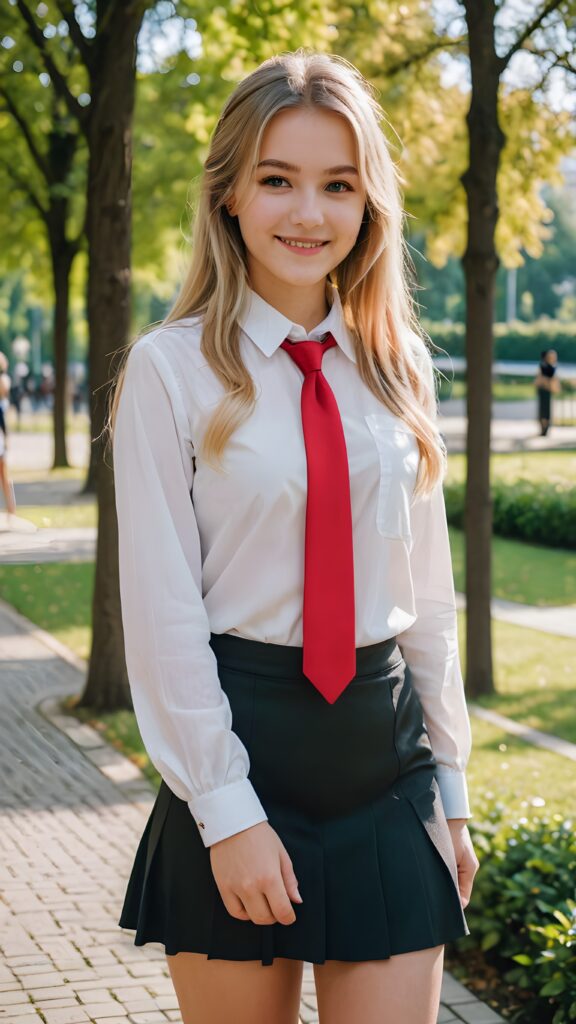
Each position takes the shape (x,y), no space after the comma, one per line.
(351,790)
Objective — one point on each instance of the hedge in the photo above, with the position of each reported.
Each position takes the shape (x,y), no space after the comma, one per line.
(520,342)
(522,911)
(540,513)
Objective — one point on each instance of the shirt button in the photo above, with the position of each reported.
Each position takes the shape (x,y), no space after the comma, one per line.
(201,824)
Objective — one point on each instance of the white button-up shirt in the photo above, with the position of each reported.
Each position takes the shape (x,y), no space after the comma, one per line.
(202,551)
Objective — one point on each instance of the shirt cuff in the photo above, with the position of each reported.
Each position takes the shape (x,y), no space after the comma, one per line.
(454,793)
(223,812)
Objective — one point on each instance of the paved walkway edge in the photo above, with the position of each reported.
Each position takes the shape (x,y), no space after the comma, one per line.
(559,620)
(525,732)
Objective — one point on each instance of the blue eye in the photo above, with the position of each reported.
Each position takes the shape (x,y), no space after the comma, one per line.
(278,178)
(274,177)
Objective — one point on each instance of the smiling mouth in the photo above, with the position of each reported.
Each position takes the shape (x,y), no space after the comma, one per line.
(311,244)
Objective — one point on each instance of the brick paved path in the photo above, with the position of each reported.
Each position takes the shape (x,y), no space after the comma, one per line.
(72,810)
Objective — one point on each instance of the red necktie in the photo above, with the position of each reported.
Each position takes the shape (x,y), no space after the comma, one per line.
(329,656)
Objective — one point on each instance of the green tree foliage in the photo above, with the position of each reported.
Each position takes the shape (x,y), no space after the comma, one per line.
(31,120)
(551,277)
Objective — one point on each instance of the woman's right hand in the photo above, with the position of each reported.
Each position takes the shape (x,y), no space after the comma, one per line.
(255,877)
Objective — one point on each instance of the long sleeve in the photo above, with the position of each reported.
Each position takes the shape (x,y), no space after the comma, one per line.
(430,648)
(183,713)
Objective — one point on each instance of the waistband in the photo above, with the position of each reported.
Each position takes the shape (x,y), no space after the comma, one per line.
(233,651)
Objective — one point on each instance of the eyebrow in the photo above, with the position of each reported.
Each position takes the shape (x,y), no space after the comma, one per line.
(341,169)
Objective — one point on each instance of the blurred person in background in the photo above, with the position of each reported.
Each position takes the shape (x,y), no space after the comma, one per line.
(547,384)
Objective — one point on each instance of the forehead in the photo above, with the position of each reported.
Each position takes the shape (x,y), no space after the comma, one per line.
(312,138)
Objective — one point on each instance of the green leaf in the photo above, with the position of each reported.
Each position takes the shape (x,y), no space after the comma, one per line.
(491,939)
(553,987)
(562,918)
(541,865)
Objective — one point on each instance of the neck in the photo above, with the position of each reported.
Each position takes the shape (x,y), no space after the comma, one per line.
(305,306)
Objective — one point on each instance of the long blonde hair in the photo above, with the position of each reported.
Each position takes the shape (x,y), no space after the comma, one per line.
(393,358)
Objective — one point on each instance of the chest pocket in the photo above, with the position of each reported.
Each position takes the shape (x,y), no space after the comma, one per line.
(398,457)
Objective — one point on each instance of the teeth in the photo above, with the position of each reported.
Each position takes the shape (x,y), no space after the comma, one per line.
(302,245)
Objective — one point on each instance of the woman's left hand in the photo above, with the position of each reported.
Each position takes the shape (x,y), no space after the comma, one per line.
(466,858)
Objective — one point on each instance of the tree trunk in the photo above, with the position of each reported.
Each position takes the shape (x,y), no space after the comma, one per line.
(90,481)
(480,263)
(62,145)
(109,236)
(62,258)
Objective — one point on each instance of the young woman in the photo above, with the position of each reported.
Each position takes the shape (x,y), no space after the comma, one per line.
(286,583)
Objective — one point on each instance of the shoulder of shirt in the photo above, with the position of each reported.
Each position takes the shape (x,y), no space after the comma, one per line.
(172,348)
(175,340)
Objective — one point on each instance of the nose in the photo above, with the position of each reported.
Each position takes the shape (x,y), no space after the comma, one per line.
(307,208)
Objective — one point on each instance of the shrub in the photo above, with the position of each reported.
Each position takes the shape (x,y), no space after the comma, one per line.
(522,913)
(540,513)
(518,341)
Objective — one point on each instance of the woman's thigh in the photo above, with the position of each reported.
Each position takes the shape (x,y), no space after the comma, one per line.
(245,992)
(404,988)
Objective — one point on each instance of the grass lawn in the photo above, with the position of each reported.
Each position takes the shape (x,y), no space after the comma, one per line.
(528,780)
(527,573)
(535,678)
(83,513)
(42,422)
(54,595)
(502,390)
(36,475)
(549,466)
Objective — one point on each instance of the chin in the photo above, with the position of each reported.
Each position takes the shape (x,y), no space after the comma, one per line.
(307,276)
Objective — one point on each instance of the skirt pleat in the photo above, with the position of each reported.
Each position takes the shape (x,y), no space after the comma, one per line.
(351,790)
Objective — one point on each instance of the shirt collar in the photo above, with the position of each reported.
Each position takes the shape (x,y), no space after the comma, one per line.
(268,328)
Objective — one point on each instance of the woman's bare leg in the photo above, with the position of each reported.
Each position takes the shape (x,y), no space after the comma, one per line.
(404,988)
(238,991)
(7,488)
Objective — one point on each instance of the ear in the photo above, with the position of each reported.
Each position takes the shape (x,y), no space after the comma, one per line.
(231,206)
